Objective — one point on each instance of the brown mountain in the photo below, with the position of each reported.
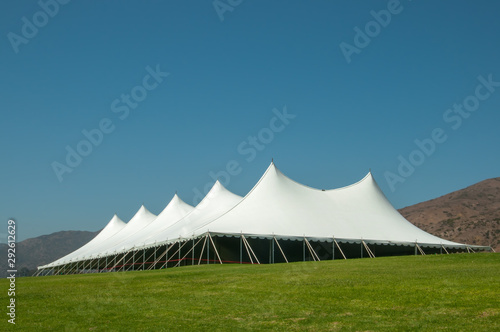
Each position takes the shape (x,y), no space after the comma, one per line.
(44,249)
(470,215)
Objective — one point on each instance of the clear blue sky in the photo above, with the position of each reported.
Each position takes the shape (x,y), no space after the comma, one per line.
(359,104)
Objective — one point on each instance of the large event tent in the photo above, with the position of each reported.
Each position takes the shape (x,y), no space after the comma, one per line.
(279,220)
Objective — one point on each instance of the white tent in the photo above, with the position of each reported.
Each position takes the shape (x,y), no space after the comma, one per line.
(282,207)
(173,212)
(140,220)
(216,203)
(114,226)
(276,209)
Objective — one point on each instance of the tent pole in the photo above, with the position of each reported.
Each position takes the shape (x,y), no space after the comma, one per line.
(77,270)
(333,249)
(202,249)
(241,250)
(111,264)
(215,249)
(71,268)
(154,253)
(419,249)
(147,259)
(179,255)
(133,261)
(368,250)
(270,252)
(190,250)
(340,249)
(127,261)
(248,244)
(272,243)
(280,249)
(192,253)
(246,247)
(89,268)
(158,259)
(304,249)
(124,262)
(178,250)
(143,258)
(312,252)
(208,250)
(446,251)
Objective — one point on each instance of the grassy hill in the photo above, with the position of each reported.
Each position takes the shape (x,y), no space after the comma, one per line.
(459,292)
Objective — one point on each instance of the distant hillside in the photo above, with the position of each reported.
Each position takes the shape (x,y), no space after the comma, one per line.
(44,249)
(470,215)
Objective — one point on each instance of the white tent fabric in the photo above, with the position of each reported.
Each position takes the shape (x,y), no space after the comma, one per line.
(276,207)
(174,211)
(280,206)
(217,202)
(140,220)
(114,226)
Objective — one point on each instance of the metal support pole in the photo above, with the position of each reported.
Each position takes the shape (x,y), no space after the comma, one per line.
(304,249)
(154,262)
(272,243)
(192,254)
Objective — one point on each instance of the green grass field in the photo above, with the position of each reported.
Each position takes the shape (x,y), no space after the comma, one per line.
(459,292)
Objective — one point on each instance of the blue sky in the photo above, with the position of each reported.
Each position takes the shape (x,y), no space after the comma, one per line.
(348,101)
